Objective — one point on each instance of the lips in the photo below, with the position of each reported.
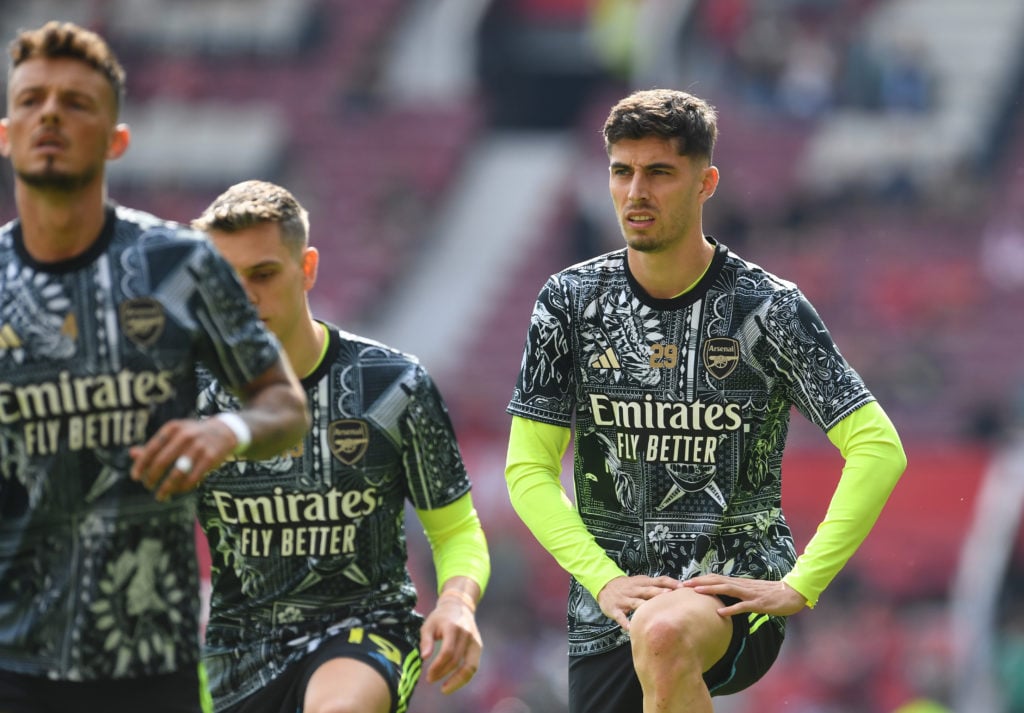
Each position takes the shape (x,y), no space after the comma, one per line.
(49,140)
(639,218)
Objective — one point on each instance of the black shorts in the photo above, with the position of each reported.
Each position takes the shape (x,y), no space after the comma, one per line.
(390,654)
(171,693)
(607,682)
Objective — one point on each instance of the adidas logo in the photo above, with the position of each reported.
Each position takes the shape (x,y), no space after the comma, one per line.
(608,360)
(9,339)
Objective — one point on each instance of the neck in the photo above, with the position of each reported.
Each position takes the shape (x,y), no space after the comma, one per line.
(669,273)
(306,346)
(59,225)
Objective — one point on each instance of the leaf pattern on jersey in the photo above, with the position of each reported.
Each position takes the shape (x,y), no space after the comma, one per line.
(15,462)
(545,347)
(625,489)
(137,612)
(762,458)
(231,556)
(37,310)
(621,319)
(748,545)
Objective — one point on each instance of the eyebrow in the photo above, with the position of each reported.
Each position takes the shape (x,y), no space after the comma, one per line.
(646,167)
(263,265)
(43,87)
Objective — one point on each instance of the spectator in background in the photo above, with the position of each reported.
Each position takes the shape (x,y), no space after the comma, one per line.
(673,365)
(104,314)
(905,81)
(807,80)
(313,605)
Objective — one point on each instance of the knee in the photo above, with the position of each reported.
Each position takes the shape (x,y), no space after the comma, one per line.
(665,639)
(658,637)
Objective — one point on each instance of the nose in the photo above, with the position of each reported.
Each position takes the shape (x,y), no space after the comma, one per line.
(637,188)
(50,111)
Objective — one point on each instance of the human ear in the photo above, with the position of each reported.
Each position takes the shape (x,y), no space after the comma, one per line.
(120,138)
(310,265)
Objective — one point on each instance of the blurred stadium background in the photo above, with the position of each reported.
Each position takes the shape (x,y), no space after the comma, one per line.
(449,153)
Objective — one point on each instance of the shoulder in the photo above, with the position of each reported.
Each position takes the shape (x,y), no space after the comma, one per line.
(607,263)
(603,271)
(153,232)
(750,276)
(368,349)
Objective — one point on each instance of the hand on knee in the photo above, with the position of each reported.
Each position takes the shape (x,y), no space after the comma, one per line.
(679,634)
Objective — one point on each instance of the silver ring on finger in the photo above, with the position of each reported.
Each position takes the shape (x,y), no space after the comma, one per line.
(183,464)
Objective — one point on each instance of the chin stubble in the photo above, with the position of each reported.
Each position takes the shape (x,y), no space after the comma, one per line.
(50,179)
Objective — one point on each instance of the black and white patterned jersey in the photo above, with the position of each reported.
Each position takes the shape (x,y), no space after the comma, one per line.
(98,580)
(313,542)
(680,409)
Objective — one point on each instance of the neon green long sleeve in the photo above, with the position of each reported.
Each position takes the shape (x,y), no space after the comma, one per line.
(875,460)
(532,472)
(457,542)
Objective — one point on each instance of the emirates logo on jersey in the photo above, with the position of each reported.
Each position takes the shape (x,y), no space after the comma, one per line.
(720,356)
(142,320)
(348,439)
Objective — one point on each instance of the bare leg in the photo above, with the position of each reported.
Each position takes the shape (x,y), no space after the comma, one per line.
(676,637)
(344,685)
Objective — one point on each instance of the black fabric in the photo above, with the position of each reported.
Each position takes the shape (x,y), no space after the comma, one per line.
(607,683)
(286,692)
(170,693)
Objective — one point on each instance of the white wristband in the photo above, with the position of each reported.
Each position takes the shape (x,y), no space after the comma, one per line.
(238,426)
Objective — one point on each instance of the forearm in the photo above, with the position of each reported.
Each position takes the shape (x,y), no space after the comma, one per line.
(874,462)
(459,547)
(532,475)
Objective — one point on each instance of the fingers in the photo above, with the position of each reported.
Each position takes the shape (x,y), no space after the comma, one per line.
(455,665)
(664,582)
(450,656)
(621,596)
(185,475)
(175,459)
(621,617)
(463,675)
(717,585)
(754,595)
(457,660)
(427,640)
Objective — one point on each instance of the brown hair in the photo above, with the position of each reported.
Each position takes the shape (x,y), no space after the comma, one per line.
(66,39)
(250,203)
(668,114)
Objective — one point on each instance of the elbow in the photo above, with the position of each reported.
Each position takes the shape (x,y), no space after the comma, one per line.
(901,459)
(897,455)
(896,460)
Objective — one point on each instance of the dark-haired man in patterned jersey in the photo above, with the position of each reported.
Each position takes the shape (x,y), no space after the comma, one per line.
(104,314)
(676,363)
(312,606)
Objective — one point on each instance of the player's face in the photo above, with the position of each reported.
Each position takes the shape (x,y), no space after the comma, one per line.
(657,193)
(61,125)
(275,279)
